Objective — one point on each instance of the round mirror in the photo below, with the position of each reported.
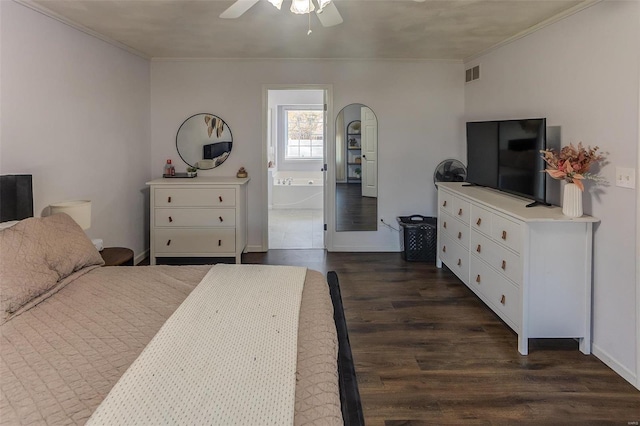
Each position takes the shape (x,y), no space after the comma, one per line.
(204,141)
(356,169)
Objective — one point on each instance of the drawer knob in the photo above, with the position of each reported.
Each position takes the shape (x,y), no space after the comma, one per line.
(169,242)
(221,219)
(479,249)
(220,198)
(444,225)
(168,199)
(504,235)
(503,299)
(219,243)
(504,265)
(479,221)
(459,262)
(460,212)
(478,278)
(444,249)
(459,235)
(170,219)
(444,203)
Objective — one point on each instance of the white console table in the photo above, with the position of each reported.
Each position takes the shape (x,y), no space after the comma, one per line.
(198,217)
(530,265)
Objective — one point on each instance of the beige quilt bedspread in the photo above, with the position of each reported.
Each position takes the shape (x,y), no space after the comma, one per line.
(59,359)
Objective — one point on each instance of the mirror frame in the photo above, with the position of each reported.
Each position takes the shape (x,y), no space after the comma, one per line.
(209,128)
(341,150)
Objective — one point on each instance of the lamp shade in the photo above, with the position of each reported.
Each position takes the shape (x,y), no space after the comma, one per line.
(302,6)
(323,3)
(79,210)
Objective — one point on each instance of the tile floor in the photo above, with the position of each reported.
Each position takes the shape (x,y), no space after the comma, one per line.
(296,229)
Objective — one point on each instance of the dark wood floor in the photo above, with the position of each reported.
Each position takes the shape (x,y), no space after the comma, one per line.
(353,211)
(428,352)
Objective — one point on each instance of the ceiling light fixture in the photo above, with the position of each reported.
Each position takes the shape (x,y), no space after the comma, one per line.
(301,7)
(326,10)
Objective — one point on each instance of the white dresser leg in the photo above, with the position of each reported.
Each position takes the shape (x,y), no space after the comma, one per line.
(523,345)
(585,345)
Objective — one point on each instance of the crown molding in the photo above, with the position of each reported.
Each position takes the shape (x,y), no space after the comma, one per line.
(44,11)
(559,17)
(418,60)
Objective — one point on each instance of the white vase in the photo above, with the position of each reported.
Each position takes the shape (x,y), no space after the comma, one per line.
(572,200)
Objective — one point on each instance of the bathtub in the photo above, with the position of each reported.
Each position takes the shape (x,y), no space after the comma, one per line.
(297,190)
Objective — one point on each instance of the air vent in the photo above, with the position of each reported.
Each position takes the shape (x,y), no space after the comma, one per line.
(472,74)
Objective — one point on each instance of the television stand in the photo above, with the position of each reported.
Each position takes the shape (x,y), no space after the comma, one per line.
(538,203)
(515,260)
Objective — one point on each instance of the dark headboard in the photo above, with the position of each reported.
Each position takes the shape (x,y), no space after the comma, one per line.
(16,197)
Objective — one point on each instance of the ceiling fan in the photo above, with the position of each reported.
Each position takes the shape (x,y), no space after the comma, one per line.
(327,12)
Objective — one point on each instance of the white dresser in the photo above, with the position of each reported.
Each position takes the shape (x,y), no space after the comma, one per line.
(198,217)
(530,265)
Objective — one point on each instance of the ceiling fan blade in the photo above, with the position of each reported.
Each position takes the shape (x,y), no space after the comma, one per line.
(329,16)
(237,9)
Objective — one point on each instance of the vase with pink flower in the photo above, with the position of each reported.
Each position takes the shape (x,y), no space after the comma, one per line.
(572,165)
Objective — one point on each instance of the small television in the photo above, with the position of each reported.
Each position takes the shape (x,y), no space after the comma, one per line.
(505,155)
(214,150)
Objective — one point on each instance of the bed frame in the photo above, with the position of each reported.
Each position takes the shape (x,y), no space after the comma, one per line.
(349,394)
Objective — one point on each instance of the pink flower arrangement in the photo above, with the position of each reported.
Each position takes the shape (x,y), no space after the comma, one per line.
(572,164)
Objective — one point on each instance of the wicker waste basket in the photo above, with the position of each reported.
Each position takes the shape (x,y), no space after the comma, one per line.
(418,238)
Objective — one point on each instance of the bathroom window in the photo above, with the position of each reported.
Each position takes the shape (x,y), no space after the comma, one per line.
(304,133)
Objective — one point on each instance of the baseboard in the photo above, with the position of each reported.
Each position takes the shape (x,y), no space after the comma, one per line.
(140,257)
(365,249)
(611,362)
(255,248)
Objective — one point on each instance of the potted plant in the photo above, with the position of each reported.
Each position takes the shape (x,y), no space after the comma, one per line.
(192,171)
(357,171)
(572,165)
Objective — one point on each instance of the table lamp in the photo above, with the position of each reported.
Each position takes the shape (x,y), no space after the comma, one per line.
(80,211)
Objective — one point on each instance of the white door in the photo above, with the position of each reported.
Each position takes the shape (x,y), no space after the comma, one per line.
(369,143)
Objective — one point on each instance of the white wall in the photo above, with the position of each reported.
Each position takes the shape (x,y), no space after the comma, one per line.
(419,106)
(582,74)
(76,116)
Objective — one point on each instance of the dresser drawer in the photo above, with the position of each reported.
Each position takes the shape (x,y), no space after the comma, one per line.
(185,217)
(461,210)
(445,200)
(195,241)
(507,232)
(454,229)
(481,219)
(194,197)
(499,292)
(455,257)
(503,260)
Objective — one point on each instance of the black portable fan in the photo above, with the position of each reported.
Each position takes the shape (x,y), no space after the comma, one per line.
(450,171)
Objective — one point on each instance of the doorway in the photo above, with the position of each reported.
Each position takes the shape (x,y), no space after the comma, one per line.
(296,149)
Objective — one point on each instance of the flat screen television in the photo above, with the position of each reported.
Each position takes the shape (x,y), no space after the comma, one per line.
(505,155)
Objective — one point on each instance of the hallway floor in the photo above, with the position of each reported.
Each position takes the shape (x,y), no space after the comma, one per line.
(296,229)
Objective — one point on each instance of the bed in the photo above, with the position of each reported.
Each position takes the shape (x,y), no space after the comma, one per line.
(72,328)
